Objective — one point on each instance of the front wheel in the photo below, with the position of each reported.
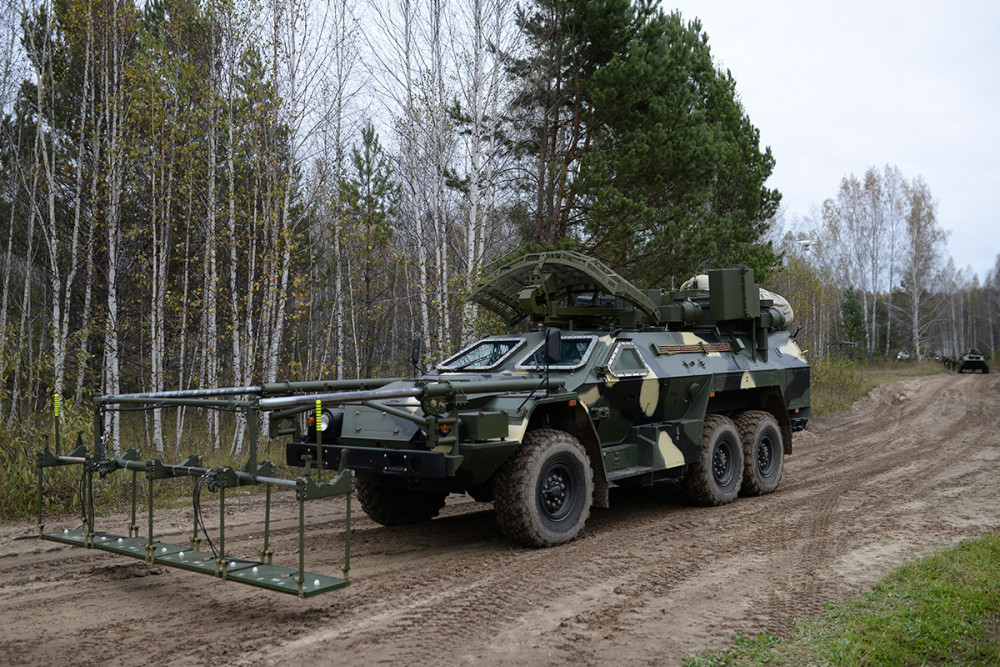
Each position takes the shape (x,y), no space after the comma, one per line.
(544,492)
(393,506)
(716,478)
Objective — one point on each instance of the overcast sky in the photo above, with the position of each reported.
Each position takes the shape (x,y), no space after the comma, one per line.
(835,88)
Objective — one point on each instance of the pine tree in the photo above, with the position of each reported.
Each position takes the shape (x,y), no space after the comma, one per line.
(642,153)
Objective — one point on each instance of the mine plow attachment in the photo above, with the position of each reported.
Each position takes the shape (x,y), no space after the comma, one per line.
(216,560)
(288,404)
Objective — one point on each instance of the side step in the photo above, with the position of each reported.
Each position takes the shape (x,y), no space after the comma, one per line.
(263,575)
(634,471)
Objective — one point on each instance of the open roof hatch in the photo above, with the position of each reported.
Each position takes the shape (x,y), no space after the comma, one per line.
(563,287)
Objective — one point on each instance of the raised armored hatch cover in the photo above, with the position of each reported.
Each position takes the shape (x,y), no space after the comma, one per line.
(560,285)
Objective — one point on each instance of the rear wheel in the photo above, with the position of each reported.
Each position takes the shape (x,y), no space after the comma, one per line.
(716,478)
(393,506)
(544,492)
(763,452)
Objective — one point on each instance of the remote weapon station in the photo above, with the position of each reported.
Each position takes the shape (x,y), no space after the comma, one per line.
(609,385)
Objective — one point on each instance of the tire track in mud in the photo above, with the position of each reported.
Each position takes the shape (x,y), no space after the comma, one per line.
(650,580)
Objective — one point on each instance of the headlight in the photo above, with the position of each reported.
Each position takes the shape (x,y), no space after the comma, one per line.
(325,420)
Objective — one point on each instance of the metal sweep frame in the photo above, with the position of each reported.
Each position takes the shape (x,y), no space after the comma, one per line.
(217,562)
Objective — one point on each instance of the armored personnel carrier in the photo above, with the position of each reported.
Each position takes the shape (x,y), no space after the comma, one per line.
(609,385)
(973,361)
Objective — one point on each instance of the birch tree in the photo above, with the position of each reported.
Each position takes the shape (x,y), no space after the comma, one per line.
(894,205)
(396,73)
(336,127)
(864,228)
(117,32)
(234,42)
(921,256)
(297,62)
(12,177)
(482,31)
(39,46)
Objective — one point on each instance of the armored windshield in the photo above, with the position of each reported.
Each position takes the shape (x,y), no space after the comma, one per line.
(572,355)
(482,356)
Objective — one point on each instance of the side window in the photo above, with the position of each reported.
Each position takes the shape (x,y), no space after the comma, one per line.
(626,362)
(572,355)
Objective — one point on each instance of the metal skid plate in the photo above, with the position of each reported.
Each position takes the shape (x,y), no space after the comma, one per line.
(272,577)
(282,579)
(76,537)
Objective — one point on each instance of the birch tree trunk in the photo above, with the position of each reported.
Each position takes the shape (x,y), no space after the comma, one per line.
(185,290)
(922,254)
(52,234)
(438,129)
(160,251)
(231,55)
(410,150)
(484,86)
(211,273)
(894,210)
(5,299)
(22,343)
(345,56)
(83,355)
(475,102)
(113,96)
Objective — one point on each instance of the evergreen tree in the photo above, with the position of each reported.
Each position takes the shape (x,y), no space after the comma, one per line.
(642,152)
(371,196)
(855,331)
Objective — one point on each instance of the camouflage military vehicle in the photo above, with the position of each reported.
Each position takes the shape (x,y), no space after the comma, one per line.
(973,361)
(610,385)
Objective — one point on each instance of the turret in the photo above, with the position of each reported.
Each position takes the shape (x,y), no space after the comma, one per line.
(572,291)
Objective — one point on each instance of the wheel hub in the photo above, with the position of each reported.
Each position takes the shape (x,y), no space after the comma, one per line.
(722,463)
(764,455)
(556,492)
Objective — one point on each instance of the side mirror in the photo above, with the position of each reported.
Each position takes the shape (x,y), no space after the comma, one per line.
(553,346)
(415,354)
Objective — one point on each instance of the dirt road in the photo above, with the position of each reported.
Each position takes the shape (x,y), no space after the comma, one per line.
(912,469)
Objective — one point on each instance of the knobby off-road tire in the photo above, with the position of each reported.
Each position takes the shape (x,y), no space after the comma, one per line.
(391,506)
(717,477)
(763,452)
(543,493)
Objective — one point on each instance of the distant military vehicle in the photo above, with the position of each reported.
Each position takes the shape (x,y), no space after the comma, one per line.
(610,385)
(973,361)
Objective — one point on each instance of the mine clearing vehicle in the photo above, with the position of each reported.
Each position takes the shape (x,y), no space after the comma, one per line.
(973,361)
(609,385)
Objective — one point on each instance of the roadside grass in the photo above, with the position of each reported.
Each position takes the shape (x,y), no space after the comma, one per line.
(61,485)
(838,383)
(942,609)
